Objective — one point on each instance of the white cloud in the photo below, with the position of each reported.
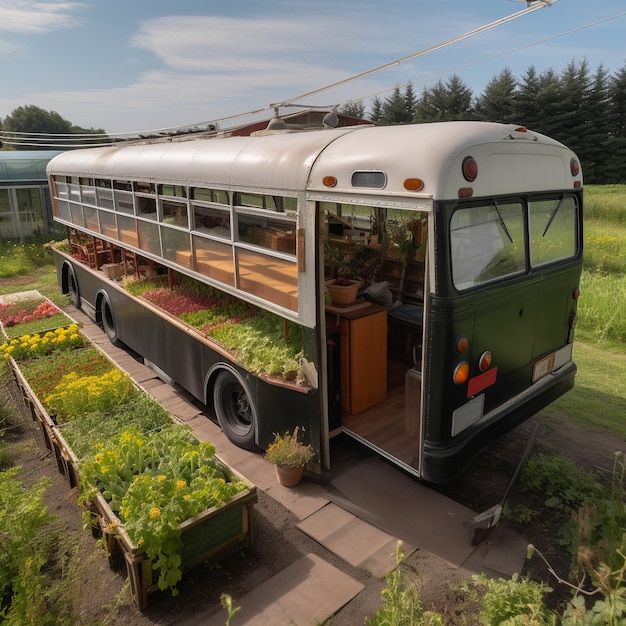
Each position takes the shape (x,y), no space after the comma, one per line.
(33,17)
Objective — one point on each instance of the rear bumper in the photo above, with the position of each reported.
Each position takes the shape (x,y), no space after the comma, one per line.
(443,462)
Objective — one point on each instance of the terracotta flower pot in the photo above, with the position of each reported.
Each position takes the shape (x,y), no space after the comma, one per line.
(289,476)
(343,294)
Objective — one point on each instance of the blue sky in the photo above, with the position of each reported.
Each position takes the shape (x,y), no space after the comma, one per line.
(128,65)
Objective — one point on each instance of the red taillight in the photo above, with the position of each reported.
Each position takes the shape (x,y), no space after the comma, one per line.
(461,344)
(484,363)
(576,293)
(470,169)
(574,167)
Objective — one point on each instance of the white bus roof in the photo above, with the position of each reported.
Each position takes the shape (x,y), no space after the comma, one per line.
(299,161)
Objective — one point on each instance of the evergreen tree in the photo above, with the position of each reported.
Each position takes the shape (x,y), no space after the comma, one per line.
(410,102)
(355,108)
(497,102)
(525,109)
(445,102)
(617,97)
(597,127)
(395,110)
(377,111)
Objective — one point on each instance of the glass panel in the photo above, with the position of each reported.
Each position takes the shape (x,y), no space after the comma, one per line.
(64,211)
(29,210)
(123,185)
(175,213)
(127,230)
(177,191)
(217,196)
(77,214)
(74,191)
(279,204)
(107,224)
(214,259)
(176,246)
(105,198)
(274,280)
(149,237)
(274,234)
(124,202)
(89,195)
(91,218)
(7,228)
(146,207)
(553,230)
(61,189)
(373,180)
(487,242)
(143,187)
(215,222)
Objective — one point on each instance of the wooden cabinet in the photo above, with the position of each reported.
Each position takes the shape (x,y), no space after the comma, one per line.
(363,358)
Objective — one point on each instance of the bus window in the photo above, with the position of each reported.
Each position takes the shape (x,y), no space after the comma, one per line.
(487,242)
(553,226)
(148,233)
(214,222)
(279,235)
(174,213)
(146,207)
(176,246)
(217,196)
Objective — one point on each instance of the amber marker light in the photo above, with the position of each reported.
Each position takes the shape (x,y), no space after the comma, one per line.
(461,373)
(484,363)
(329,181)
(576,293)
(461,344)
(413,184)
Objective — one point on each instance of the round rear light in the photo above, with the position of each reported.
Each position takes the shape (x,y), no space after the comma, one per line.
(461,373)
(329,181)
(470,169)
(484,363)
(461,344)
(574,167)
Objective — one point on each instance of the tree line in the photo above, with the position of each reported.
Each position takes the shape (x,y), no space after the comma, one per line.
(585,110)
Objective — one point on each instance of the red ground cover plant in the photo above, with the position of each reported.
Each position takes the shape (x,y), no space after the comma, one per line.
(19,312)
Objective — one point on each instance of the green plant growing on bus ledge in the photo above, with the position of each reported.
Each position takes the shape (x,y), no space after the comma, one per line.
(256,338)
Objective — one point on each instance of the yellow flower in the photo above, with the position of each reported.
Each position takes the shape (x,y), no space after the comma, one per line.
(161,477)
(180,484)
(155,512)
(187,497)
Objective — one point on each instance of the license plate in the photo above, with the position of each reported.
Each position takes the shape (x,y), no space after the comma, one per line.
(543,367)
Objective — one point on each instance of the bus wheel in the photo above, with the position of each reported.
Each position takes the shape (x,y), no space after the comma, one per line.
(235,412)
(72,285)
(108,320)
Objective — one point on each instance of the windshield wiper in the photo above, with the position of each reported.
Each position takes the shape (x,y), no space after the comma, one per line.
(556,209)
(504,228)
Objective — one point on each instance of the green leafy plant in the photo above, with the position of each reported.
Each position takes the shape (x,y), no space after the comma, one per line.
(511,602)
(287,451)
(76,395)
(154,482)
(401,603)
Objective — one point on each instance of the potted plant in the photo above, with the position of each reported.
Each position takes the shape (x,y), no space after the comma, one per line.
(289,456)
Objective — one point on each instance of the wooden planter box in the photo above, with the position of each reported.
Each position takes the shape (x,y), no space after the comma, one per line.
(209,534)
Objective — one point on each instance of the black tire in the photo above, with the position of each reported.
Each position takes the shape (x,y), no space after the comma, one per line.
(235,412)
(72,286)
(107,318)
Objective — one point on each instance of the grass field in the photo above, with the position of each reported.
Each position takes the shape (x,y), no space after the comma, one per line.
(599,398)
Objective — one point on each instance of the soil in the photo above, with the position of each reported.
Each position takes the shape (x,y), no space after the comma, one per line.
(99,594)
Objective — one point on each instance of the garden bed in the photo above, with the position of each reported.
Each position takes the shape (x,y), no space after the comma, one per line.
(159,541)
